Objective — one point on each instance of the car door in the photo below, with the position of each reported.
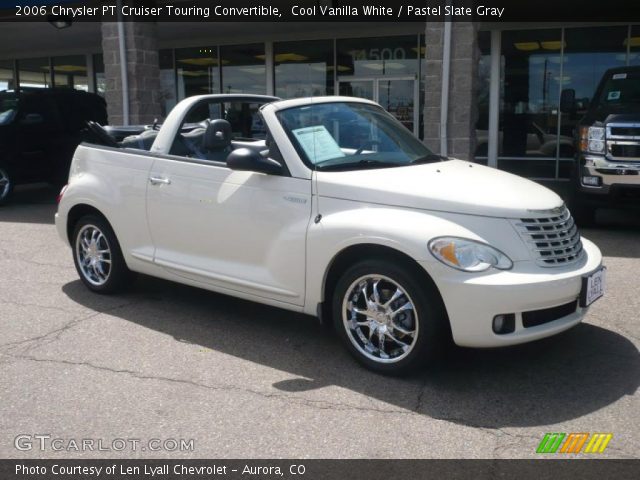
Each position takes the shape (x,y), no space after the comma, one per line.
(38,128)
(237,231)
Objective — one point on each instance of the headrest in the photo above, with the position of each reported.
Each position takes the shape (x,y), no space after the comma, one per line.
(217,135)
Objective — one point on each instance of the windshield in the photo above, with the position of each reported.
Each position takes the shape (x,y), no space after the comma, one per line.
(342,136)
(8,107)
(620,89)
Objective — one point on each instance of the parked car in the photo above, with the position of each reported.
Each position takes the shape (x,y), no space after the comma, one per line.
(538,142)
(399,247)
(39,131)
(607,169)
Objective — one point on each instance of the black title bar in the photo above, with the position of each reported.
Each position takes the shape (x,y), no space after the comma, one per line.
(322,11)
(317,469)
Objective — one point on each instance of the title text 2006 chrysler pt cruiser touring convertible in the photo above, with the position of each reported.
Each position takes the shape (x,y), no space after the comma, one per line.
(329,206)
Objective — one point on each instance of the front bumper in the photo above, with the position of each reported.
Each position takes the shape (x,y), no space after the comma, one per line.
(472,301)
(616,177)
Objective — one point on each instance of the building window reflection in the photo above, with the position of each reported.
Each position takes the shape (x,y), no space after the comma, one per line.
(167,81)
(303,69)
(70,72)
(197,71)
(535,138)
(484,81)
(34,73)
(530,97)
(99,78)
(377,56)
(634,45)
(243,69)
(6,75)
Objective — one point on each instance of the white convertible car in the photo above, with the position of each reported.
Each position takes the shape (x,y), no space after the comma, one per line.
(330,207)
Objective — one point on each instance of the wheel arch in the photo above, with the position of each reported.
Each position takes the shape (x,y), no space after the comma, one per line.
(354,253)
(77,212)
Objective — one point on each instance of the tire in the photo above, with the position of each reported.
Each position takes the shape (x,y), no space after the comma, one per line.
(98,257)
(6,185)
(421,327)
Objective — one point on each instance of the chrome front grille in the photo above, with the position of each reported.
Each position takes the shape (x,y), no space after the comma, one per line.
(623,142)
(554,239)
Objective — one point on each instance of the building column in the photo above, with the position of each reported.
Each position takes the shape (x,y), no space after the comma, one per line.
(143,72)
(462,108)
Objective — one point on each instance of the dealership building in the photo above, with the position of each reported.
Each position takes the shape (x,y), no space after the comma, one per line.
(483,91)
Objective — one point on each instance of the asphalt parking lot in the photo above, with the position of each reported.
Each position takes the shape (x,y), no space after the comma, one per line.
(248,381)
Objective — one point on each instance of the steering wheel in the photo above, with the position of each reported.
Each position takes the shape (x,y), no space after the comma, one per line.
(101,134)
(370,143)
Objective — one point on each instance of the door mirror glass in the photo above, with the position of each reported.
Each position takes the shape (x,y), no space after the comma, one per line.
(32,119)
(567,100)
(252,161)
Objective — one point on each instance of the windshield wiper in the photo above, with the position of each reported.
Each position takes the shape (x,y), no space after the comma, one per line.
(365,162)
(431,158)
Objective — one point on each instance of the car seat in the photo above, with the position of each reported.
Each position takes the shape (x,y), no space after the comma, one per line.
(216,141)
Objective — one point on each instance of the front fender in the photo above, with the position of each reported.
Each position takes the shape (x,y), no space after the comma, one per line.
(345,224)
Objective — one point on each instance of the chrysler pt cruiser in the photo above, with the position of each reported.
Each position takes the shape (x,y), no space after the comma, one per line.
(330,207)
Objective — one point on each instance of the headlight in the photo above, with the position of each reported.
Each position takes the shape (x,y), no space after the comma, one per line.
(592,139)
(468,255)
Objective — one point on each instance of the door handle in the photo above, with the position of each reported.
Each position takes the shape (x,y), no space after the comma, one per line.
(159,181)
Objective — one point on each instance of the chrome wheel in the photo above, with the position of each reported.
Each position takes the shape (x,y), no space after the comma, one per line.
(380,318)
(93,255)
(5,183)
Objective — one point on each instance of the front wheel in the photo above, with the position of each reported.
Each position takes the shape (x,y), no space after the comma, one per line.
(389,320)
(6,185)
(98,257)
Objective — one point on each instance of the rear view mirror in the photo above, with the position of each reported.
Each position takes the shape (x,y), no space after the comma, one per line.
(567,100)
(32,119)
(252,161)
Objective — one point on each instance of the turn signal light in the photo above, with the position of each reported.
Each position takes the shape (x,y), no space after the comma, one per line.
(61,194)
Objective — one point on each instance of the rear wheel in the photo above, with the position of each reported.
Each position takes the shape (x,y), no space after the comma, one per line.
(389,320)
(98,257)
(6,185)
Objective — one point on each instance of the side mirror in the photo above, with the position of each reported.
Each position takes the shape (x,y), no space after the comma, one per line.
(567,100)
(250,160)
(32,119)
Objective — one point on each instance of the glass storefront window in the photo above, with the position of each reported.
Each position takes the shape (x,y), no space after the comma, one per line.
(243,69)
(70,72)
(377,56)
(167,81)
(34,72)
(197,71)
(422,52)
(484,81)
(303,69)
(634,45)
(6,75)
(588,53)
(530,97)
(99,79)
(535,138)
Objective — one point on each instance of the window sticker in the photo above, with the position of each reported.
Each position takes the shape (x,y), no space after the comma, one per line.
(620,76)
(614,95)
(318,143)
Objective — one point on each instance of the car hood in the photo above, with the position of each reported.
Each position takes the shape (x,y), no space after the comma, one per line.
(450,186)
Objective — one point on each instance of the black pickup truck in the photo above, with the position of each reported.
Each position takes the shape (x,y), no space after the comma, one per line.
(39,131)
(607,169)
